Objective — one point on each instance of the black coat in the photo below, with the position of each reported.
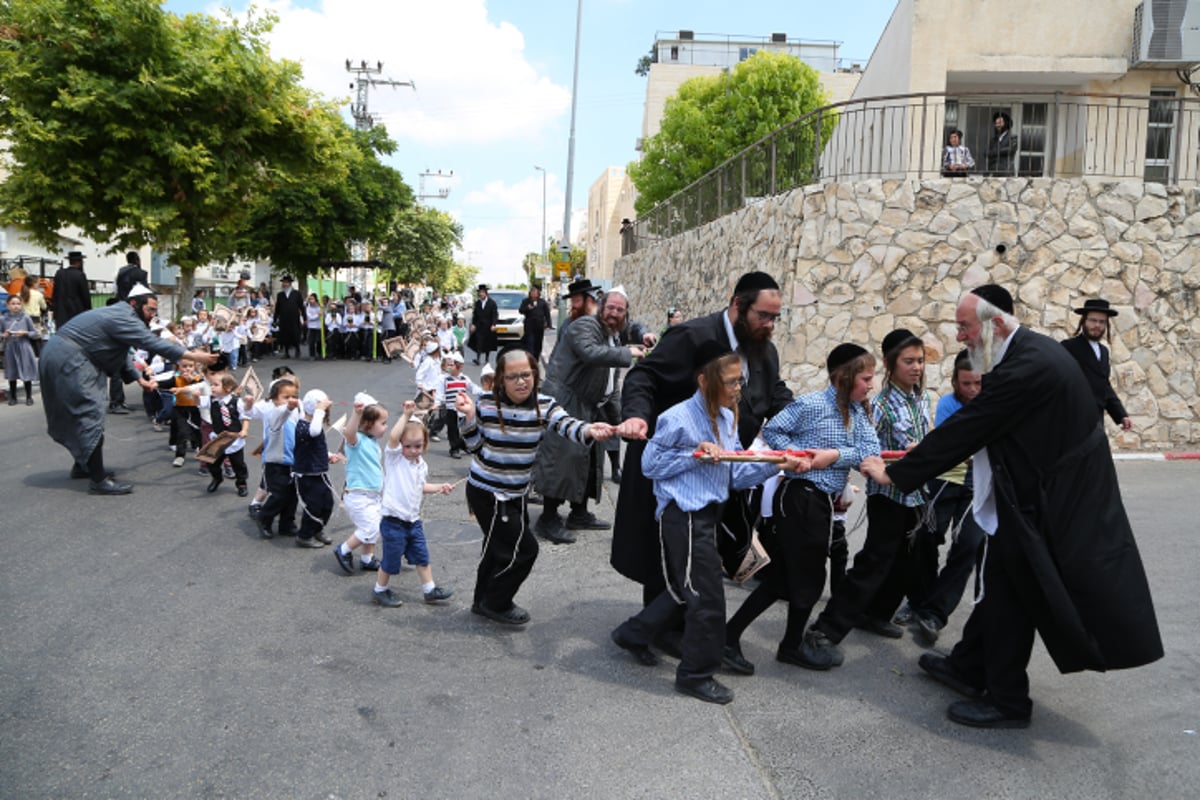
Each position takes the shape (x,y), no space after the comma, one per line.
(72,295)
(289,317)
(483,319)
(1097,371)
(1057,495)
(657,382)
(129,276)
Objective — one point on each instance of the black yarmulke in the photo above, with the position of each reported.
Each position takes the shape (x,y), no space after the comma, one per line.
(708,351)
(899,338)
(996,295)
(755,281)
(843,354)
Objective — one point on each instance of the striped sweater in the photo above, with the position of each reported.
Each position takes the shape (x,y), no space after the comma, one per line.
(504,459)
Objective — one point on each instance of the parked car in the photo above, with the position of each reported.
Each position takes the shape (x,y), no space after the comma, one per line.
(510,325)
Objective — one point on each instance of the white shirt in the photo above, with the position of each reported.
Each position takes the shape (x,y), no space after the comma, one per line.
(403,485)
(733,344)
(983,505)
(429,377)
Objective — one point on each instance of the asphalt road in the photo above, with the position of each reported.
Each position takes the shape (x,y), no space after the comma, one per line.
(154,646)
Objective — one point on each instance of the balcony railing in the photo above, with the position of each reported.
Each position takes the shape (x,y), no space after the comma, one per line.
(1153,137)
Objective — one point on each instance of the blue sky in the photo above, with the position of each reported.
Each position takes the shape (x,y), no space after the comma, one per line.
(493,82)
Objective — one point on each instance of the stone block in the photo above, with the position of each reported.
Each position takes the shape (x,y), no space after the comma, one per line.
(1150,207)
(1116,207)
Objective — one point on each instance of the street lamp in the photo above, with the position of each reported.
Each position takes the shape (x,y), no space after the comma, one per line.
(543,171)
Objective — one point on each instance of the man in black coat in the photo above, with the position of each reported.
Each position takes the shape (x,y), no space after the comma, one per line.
(1060,558)
(664,378)
(289,317)
(536,312)
(72,294)
(483,326)
(128,276)
(1093,358)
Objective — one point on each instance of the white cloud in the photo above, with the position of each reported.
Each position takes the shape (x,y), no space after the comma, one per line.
(504,222)
(473,81)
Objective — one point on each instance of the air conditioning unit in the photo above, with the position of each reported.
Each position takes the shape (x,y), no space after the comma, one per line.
(779,38)
(1166,34)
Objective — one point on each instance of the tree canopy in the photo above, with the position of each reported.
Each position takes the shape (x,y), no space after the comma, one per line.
(712,118)
(419,244)
(143,127)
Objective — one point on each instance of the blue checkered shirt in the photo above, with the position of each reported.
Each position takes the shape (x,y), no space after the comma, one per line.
(813,422)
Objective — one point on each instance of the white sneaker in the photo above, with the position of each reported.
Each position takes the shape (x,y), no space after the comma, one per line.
(178,462)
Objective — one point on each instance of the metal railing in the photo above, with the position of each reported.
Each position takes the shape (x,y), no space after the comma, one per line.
(1054,134)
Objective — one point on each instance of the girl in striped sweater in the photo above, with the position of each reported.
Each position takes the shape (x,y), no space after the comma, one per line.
(504,433)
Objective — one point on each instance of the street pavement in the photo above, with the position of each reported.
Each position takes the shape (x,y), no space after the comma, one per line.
(155,647)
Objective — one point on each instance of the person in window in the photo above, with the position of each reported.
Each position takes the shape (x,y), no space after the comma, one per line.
(956,158)
(1002,147)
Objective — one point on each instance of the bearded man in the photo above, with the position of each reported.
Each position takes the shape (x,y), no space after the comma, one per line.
(583,375)
(665,378)
(1060,558)
(1092,356)
(74,371)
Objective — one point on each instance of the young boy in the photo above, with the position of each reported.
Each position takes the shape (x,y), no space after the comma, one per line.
(226,416)
(278,444)
(185,423)
(310,470)
(453,382)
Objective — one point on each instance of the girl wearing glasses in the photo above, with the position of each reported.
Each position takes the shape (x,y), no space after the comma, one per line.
(504,432)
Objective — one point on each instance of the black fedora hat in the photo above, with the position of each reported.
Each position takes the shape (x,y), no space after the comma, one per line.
(75,255)
(581,286)
(1096,305)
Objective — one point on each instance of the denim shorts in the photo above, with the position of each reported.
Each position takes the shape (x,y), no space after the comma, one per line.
(402,539)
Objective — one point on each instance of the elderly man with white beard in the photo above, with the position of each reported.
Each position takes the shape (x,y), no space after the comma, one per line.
(1060,555)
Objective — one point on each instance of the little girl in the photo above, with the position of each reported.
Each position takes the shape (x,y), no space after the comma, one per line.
(19,361)
(404,482)
(364,481)
(690,495)
(504,436)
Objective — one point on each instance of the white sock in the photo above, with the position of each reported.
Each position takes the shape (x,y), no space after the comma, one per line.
(380,589)
(367,559)
(428,587)
(343,549)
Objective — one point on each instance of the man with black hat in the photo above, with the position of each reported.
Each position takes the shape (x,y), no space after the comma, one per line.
(583,373)
(72,294)
(73,370)
(1093,358)
(1061,559)
(536,312)
(128,276)
(665,378)
(289,317)
(482,336)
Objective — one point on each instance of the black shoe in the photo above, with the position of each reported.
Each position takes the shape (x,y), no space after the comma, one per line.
(982,714)
(264,529)
(905,616)
(242,491)
(346,562)
(815,652)
(322,537)
(586,522)
(941,670)
(927,629)
(118,409)
(252,510)
(12,401)
(370,566)
(710,690)
(880,627)
(550,527)
(213,484)
(313,543)
(514,616)
(29,402)
(616,475)
(109,486)
(438,594)
(641,652)
(733,660)
(387,599)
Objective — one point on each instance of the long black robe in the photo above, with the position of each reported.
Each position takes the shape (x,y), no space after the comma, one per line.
(1097,371)
(662,379)
(75,366)
(1057,495)
(483,317)
(72,295)
(289,318)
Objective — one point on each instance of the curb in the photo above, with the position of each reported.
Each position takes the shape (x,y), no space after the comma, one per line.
(1187,456)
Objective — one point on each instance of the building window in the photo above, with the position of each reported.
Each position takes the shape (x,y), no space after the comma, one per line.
(746,52)
(1160,136)
(674,52)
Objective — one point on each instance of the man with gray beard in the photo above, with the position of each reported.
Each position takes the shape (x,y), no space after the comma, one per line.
(1060,557)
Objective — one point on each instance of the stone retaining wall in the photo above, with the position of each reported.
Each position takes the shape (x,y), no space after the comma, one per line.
(857,260)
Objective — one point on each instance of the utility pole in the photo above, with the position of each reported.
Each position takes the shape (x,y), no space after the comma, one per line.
(571,142)
(363,81)
(441,193)
(542,249)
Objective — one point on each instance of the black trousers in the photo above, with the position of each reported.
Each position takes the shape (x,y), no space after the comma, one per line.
(802,517)
(872,584)
(509,548)
(947,590)
(186,428)
(314,342)
(317,496)
(693,565)
(116,391)
(450,420)
(998,638)
(281,498)
(237,461)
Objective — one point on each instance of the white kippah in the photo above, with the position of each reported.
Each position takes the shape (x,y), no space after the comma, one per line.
(139,290)
(311,398)
(365,399)
(619,289)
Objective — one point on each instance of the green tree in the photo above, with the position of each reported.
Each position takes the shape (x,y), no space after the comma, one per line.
(712,118)
(460,278)
(577,257)
(143,127)
(419,244)
(314,213)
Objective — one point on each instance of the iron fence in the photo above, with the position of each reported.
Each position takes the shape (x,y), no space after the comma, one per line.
(1153,137)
